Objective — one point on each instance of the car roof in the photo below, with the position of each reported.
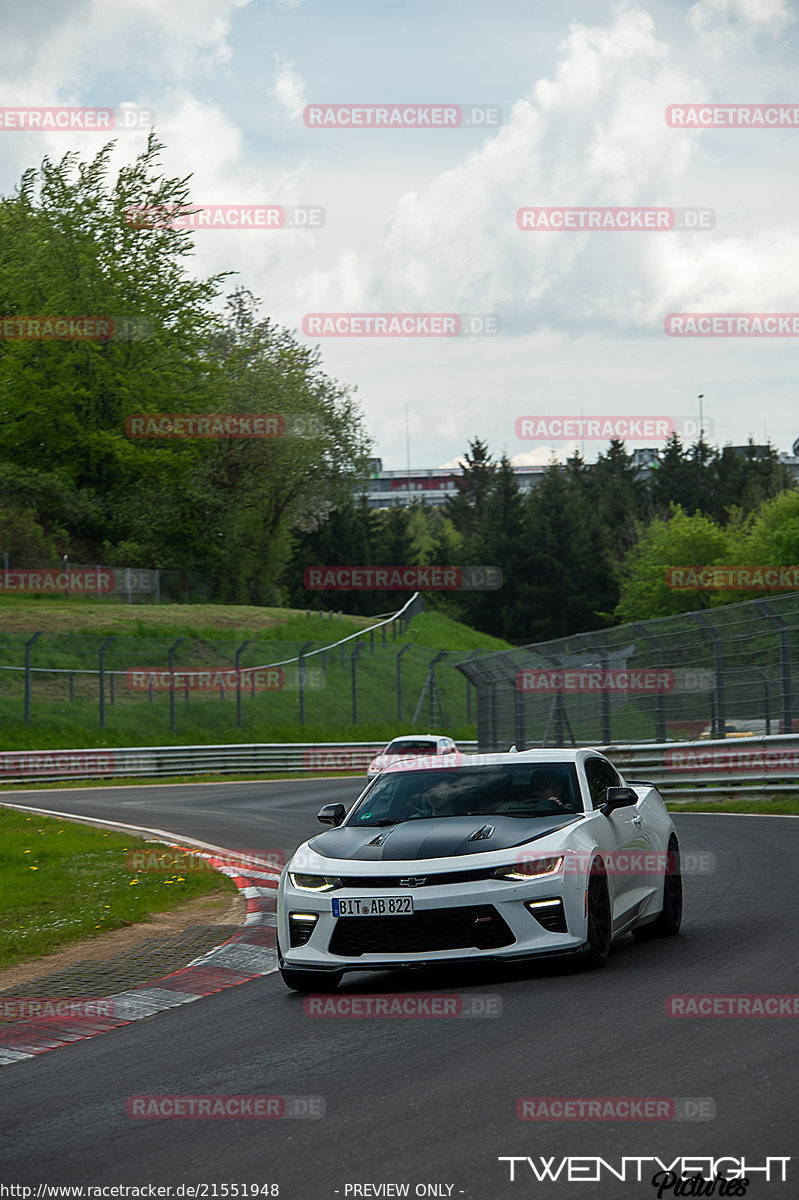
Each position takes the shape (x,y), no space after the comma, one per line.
(416,737)
(530,757)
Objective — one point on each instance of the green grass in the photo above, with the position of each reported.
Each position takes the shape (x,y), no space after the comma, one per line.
(787,805)
(61,882)
(64,710)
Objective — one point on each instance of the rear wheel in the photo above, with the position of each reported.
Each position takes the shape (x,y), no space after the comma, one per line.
(600,934)
(311,981)
(669,919)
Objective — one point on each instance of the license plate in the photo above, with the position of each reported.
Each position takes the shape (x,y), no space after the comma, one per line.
(374,906)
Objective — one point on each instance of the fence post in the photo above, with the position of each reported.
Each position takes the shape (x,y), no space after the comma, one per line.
(238,680)
(719,722)
(660,702)
(158,585)
(604,695)
(469,685)
(301,679)
(28,645)
(353,668)
(172,650)
(785,664)
(101,665)
(399,680)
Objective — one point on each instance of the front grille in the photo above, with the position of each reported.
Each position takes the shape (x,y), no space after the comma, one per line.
(393,881)
(477,927)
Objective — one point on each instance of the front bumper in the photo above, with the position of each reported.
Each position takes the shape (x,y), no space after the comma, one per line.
(504,928)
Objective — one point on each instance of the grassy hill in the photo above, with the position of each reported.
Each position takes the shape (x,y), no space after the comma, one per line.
(64,700)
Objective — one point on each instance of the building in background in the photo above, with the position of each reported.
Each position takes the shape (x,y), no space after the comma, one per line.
(389,488)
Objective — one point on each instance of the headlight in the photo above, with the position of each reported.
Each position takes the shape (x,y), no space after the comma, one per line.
(314,883)
(530,868)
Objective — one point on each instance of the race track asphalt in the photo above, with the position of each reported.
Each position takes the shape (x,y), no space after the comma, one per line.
(433,1101)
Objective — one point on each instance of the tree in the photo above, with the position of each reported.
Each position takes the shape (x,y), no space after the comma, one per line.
(569,576)
(618,496)
(225,508)
(680,541)
(473,484)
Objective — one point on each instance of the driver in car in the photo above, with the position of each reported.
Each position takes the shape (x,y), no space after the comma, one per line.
(438,801)
(550,788)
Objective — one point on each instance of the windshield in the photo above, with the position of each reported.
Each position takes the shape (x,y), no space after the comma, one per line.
(410,748)
(521,790)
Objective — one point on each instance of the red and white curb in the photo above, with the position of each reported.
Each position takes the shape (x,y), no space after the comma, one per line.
(247,955)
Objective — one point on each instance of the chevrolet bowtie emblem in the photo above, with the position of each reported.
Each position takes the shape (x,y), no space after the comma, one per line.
(413,881)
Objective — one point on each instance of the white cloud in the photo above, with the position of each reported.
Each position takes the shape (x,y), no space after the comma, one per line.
(713,16)
(288,88)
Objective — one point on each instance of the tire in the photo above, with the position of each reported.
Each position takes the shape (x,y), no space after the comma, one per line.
(668,921)
(311,981)
(600,926)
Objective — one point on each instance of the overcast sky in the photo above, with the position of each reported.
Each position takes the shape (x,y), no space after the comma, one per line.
(424,220)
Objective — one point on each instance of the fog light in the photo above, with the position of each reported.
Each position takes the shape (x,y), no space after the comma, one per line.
(301,926)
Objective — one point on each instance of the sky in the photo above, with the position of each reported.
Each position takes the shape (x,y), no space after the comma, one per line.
(424,220)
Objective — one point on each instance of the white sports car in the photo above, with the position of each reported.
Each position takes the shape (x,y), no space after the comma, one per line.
(494,857)
(413,746)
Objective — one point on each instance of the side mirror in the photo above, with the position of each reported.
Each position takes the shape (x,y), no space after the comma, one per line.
(331,814)
(618,797)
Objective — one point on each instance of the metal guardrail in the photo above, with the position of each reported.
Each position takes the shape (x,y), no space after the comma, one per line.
(312,758)
(682,770)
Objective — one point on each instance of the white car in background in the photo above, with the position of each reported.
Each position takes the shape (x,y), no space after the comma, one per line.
(414,747)
(496,857)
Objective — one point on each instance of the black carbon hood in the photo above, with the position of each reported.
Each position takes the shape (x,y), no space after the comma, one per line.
(435,837)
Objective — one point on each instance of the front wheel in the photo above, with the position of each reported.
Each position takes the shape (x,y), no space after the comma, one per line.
(311,981)
(600,934)
(669,919)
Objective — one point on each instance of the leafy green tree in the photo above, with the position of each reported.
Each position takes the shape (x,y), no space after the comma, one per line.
(680,541)
(224,508)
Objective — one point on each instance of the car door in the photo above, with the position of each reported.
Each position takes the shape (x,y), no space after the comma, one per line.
(622,837)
